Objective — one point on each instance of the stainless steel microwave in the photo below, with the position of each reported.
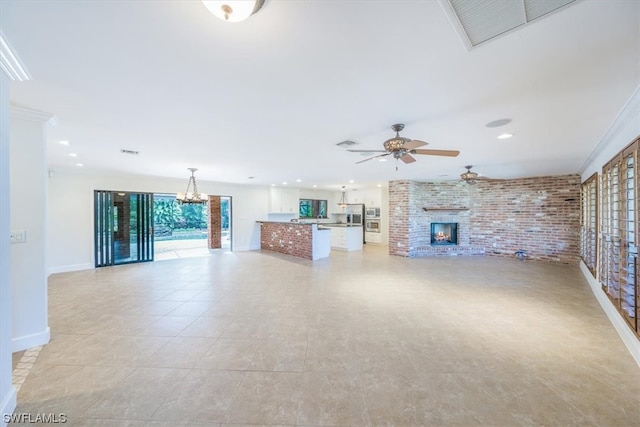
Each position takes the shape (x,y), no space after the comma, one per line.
(373,213)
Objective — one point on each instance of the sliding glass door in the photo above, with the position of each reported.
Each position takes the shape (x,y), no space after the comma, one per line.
(123,227)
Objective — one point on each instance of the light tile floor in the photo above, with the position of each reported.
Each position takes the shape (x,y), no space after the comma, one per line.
(359,338)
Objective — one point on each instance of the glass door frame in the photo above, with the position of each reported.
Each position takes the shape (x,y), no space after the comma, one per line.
(106,225)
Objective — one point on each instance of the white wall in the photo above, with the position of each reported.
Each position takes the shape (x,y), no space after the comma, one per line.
(625,129)
(70,220)
(28,167)
(7,392)
(622,131)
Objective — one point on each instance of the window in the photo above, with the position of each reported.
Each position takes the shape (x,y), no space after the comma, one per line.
(311,208)
(618,251)
(589,223)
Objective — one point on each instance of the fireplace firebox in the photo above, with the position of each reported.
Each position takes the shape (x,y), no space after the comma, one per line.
(444,233)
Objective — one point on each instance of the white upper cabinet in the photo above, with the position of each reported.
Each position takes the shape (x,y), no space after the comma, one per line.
(284,200)
(371,197)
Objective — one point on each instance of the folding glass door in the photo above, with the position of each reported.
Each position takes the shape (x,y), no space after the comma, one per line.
(123,227)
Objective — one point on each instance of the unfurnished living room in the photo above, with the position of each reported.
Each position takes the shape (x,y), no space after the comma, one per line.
(319,213)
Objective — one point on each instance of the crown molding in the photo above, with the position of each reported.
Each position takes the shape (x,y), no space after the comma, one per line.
(630,112)
(33,115)
(10,62)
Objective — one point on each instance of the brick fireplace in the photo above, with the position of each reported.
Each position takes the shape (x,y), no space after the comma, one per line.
(493,217)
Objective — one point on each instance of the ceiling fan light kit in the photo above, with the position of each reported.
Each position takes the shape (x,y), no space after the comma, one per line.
(468,176)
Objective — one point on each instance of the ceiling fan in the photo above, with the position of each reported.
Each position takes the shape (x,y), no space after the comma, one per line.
(471,177)
(402,148)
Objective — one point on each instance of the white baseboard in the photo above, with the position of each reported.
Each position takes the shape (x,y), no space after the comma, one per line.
(29,341)
(628,337)
(8,405)
(68,268)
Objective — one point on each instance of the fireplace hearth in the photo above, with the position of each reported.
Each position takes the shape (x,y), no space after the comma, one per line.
(444,233)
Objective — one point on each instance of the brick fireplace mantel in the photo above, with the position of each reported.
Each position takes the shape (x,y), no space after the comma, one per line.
(445,209)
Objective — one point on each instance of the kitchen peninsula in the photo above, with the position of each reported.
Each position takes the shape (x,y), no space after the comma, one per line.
(346,237)
(295,238)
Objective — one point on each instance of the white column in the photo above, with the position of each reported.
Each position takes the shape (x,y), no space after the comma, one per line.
(12,69)
(28,171)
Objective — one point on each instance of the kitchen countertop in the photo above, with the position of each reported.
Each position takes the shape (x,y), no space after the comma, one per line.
(319,224)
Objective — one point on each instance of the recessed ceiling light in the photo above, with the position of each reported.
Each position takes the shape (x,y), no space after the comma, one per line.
(382,159)
(79,165)
(351,181)
(315,186)
(379,185)
(73,155)
(64,142)
(298,180)
(498,123)
(505,136)
(284,182)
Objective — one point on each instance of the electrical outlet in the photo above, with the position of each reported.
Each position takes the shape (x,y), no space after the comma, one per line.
(18,236)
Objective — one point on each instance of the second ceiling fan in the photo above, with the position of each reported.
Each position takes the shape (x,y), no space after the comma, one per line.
(402,148)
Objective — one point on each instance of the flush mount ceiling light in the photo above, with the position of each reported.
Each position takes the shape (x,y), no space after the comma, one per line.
(233,10)
(192,197)
(343,199)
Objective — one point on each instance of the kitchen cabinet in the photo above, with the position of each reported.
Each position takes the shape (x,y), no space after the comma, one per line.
(284,200)
(370,237)
(346,238)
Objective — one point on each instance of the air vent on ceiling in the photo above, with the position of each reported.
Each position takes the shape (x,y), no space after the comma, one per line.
(479,21)
(132,152)
(347,143)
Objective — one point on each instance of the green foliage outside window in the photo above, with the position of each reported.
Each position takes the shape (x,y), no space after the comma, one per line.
(311,208)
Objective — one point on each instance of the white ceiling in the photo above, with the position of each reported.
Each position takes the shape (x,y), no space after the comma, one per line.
(272,96)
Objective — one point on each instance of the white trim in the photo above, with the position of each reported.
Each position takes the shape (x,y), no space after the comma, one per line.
(29,341)
(10,62)
(630,111)
(628,337)
(68,268)
(8,405)
(33,115)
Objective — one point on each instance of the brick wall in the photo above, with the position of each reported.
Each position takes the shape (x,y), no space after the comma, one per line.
(538,215)
(215,223)
(287,238)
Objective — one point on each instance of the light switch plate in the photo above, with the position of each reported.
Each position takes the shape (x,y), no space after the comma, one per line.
(18,236)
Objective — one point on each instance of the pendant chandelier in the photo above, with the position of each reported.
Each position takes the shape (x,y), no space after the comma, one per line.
(343,199)
(192,197)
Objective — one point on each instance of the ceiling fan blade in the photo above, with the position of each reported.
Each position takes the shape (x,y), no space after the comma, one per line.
(374,157)
(415,143)
(368,151)
(447,153)
(407,158)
